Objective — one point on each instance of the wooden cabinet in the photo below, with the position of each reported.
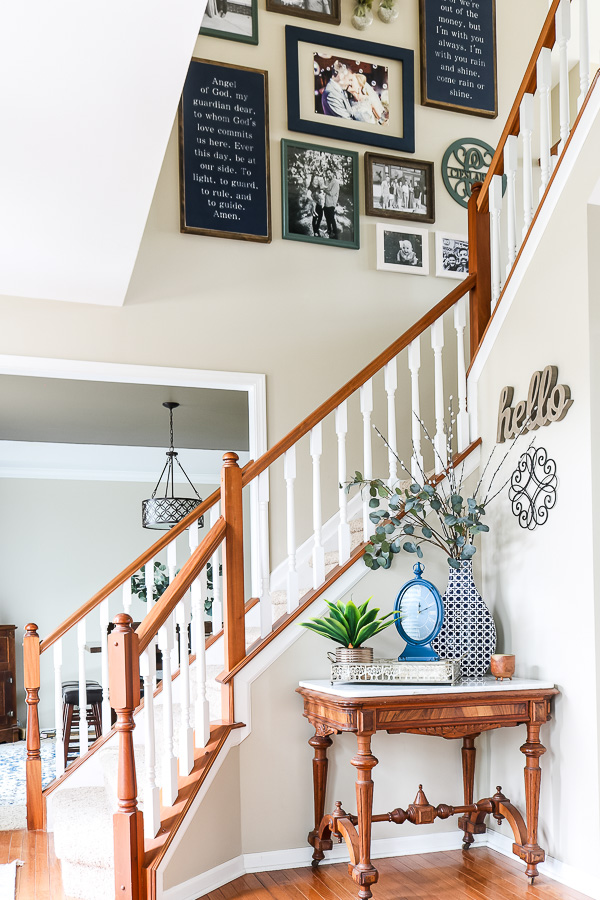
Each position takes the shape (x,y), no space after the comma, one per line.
(8,685)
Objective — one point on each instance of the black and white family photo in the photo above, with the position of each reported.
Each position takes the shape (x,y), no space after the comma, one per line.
(320,188)
(233,19)
(321,10)
(351,89)
(452,255)
(399,249)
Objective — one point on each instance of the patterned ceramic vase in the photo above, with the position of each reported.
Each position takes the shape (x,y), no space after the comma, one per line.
(468,628)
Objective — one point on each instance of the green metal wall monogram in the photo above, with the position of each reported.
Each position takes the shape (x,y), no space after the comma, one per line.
(465,162)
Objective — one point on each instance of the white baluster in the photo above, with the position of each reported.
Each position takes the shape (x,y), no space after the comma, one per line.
(127,598)
(266,605)
(59,758)
(104,620)
(439,441)
(289,473)
(217,604)
(169,764)
(149,583)
(201,707)
(83,725)
(462,419)
(414,364)
(150,787)
(193,541)
(341,429)
(390,379)
(495,204)
(366,408)
(186,735)
(318,555)
(544,84)
(172,559)
(584,52)
(563,35)
(510,170)
(526,130)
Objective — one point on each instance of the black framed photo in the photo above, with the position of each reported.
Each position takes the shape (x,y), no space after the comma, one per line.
(397,188)
(350,90)
(458,56)
(224,184)
(320,194)
(328,11)
(234,20)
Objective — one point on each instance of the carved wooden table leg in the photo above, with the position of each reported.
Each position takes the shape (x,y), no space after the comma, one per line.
(468,769)
(364,873)
(320,742)
(531,852)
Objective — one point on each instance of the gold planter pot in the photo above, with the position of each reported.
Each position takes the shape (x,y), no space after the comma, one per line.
(349,655)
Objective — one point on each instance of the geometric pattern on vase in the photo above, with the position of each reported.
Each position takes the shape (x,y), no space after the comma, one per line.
(469,629)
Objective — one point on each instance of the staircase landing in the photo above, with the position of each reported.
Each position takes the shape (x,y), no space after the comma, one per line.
(39,878)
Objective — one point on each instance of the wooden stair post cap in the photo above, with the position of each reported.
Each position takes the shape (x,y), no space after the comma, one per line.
(31,629)
(230,458)
(123,622)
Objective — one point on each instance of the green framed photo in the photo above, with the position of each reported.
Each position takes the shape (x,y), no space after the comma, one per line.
(320,194)
(233,20)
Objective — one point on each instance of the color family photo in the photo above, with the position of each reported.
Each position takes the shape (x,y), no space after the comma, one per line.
(401,249)
(320,194)
(351,89)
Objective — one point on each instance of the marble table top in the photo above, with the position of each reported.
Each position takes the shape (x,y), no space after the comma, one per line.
(474,685)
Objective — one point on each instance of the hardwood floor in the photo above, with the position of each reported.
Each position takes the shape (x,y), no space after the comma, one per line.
(456,875)
(39,878)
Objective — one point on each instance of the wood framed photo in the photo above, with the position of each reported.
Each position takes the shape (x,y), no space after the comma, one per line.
(350,90)
(234,20)
(328,11)
(402,248)
(320,194)
(451,255)
(399,188)
(458,56)
(224,184)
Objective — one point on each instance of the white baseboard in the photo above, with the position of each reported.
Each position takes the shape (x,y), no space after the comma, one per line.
(273,860)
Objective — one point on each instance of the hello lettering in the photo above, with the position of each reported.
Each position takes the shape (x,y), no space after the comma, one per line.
(546,402)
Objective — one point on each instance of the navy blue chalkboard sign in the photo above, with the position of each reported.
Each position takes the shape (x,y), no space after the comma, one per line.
(224,152)
(458,56)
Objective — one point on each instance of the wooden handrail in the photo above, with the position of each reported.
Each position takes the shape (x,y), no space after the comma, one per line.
(132,568)
(528,85)
(252,470)
(188,573)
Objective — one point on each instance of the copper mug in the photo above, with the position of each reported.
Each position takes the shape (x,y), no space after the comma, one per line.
(503,666)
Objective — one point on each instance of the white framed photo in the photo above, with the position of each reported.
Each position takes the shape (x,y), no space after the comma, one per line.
(451,255)
(401,248)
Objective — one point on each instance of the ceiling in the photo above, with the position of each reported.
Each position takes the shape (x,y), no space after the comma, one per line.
(56,410)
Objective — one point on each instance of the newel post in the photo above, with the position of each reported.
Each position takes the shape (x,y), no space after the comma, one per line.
(233,574)
(128,822)
(33,766)
(480,265)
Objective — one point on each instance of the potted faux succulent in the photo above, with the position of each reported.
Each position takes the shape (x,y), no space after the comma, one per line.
(362,16)
(350,626)
(387,11)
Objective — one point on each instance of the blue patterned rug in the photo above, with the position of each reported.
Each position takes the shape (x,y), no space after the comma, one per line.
(12,770)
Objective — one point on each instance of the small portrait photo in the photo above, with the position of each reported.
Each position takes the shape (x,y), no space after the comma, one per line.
(234,20)
(351,89)
(401,249)
(319,10)
(451,255)
(399,188)
(320,194)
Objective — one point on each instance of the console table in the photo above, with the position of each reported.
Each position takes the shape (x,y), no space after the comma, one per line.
(456,711)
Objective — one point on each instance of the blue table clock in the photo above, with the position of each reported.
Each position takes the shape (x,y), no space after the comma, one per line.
(421,617)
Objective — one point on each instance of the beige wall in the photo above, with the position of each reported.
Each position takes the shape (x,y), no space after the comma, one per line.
(541,584)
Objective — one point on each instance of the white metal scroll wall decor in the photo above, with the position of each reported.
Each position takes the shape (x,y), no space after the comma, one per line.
(546,402)
(533,485)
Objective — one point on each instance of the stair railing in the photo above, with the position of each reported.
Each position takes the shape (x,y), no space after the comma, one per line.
(515,186)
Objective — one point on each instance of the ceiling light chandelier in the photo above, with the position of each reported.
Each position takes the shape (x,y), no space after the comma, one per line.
(165,512)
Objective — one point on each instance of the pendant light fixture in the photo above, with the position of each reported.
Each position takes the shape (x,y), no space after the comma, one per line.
(164,512)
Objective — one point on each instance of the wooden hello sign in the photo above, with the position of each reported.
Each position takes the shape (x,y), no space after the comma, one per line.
(546,402)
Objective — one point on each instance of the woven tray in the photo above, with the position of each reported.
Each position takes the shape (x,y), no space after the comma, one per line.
(391,671)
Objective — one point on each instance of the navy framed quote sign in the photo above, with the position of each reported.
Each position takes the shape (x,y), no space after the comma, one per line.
(350,90)
(458,56)
(224,152)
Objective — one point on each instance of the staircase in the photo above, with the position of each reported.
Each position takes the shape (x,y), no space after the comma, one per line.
(167,744)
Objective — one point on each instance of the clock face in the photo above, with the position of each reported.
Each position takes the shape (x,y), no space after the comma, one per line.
(420,613)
